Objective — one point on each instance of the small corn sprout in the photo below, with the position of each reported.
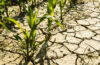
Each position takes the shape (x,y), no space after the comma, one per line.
(29,43)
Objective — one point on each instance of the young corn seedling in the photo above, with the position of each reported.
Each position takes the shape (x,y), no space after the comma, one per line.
(50,10)
(62,3)
(29,43)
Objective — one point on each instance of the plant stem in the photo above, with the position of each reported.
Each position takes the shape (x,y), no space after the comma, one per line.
(61,17)
(49,24)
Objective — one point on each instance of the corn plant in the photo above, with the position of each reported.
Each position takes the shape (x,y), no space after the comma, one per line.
(50,10)
(29,44)
(62,3)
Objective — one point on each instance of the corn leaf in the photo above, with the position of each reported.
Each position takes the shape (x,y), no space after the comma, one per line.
(20,40)
(34,32)
(50,7)
(40,42)
(34,18)
(24,45)
(50,20)
(4,25)
(62,4)
(26,36)
(30,16)
(2,3)
(14,21)
(42,18)
(58,23)
(27,33)
(23,51)
(18,37)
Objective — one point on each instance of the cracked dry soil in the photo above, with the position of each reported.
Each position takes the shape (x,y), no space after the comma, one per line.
(77,44)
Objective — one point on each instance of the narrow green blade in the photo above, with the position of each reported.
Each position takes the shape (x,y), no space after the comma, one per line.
(58,23)
(14,21)
(4,25)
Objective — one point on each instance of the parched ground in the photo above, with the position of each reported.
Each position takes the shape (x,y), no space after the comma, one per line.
(78,43)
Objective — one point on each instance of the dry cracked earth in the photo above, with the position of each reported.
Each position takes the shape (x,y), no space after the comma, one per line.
(78,43)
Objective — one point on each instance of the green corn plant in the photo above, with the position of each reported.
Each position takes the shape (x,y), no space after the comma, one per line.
(50,10)
(62,3)
(29,44)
